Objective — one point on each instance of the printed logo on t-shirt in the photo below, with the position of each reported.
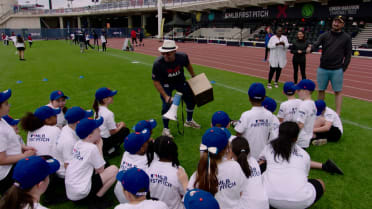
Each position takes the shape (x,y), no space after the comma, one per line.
(293,111)
(226,184)
(125,166)
(174,72)
(159,179)
(260,122)
(254,172)
(76,154)
(38,138)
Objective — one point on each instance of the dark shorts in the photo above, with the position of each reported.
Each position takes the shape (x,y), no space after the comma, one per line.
(7,182)
(325,76)
(21,48)
(96,186)
(318,189)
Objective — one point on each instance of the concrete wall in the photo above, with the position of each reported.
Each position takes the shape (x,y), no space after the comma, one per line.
(22,22)
(6,5)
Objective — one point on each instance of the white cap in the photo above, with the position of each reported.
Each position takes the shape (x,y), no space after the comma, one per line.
(168,46)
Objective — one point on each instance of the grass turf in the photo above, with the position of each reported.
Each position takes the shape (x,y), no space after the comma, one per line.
(63,65)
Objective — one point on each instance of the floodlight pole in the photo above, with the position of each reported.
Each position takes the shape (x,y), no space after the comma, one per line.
(160,17)
(50,4)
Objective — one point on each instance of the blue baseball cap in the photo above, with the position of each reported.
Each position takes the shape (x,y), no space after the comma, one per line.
(200,199)
(270,104)
(74,114)
(5,95)
(31,170)
(10,120)
(257,91)
(320,106)
(104,92)
(134,180)
(216,137)
(306,84)
(86,126)
(222,118)
(57,94)
(145,124)
(134,141)
(45,112)
(289,88)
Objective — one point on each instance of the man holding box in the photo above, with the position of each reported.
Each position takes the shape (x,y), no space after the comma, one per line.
(168,75)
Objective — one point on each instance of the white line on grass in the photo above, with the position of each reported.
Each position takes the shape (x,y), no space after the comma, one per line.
(241,91)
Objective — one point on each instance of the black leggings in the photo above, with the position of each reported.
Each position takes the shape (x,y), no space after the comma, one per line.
(104,46)
(266,52)
(295,70)
(278,70)
(114,141)
(333,135)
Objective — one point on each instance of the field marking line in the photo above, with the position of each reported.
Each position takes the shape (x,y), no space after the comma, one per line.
(242,91)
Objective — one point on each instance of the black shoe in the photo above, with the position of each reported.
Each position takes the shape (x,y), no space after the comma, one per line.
(331,167)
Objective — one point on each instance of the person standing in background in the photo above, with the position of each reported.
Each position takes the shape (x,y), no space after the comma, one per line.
(298,49)
(269,34)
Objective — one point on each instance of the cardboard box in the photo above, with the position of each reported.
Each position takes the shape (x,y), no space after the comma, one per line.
(202,89)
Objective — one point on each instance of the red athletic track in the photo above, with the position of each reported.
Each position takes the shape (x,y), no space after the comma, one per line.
(248,61)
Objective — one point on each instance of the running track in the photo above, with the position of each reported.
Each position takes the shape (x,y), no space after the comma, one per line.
(248,61)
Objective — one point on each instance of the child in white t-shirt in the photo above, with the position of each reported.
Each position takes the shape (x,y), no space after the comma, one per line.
(255,195)
(306,114)
(328,125)
(58,101)
(42,132)
(288,109)
(221,177)
(286,177)
(86,179)
(31,179)
(135,145)
(14,124)
(11,149)
(112,133)
(135,183)
(255,125)
(165,182)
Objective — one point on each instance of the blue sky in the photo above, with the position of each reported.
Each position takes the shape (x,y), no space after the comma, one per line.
(57,3)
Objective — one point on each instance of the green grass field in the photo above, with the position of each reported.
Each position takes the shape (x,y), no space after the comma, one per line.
(62,64)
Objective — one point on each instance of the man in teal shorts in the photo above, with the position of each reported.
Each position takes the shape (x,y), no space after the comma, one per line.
(336,55)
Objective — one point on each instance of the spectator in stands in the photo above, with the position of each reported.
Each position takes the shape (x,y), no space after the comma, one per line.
(278,46)
(298,49)
(336,55)
(269,34)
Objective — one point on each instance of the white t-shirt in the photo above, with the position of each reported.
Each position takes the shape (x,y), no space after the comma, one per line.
(288,109)
(286,182)
(146,204)
(274,128)
(306,114)
(64,146)
(231,183)
(79,172)
(61,121)
(36,206)
(10,144)
(108,121)
(331,116)
(129,161)
(87,37)
(103,39)
(164,184)
(43,139)
(19,44)
(255,196)
(255,125)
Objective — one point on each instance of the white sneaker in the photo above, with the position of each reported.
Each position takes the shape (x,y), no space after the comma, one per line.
(319,142)
(276,85)
(192,124)
(269,86)
(166,132)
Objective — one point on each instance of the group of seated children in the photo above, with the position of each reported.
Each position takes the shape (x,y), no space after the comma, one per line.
(265,165)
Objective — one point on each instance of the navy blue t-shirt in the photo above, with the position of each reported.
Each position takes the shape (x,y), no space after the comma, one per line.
(170,72)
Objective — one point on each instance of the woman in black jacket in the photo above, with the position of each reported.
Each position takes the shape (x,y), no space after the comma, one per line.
(298,50)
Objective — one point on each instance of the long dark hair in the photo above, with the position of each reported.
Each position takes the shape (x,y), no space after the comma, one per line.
(17,198)
(207,180)
(288,133)
(96,104)
(240,148)
(20,39)
(30,122)
(165,148)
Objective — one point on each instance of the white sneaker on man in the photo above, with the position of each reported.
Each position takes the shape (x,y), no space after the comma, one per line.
(166,132)
(192,124)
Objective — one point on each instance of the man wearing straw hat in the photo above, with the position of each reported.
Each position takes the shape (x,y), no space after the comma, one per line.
(168,75)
